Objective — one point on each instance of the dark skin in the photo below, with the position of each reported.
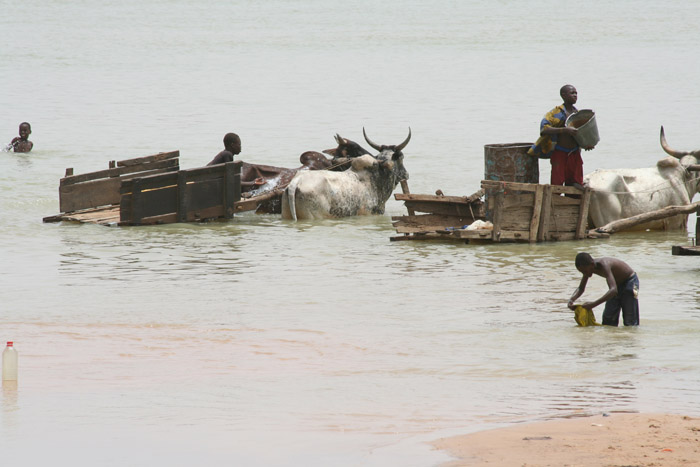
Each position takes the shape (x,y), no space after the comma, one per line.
(613,270)
(566,133)
(21,143)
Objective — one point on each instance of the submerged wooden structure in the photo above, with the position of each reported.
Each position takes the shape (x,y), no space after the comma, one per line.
(510,212)
(153,190)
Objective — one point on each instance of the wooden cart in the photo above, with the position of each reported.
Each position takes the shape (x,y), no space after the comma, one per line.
(517,212)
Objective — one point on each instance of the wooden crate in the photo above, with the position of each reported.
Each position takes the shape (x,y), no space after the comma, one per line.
(519,212)
(536,213)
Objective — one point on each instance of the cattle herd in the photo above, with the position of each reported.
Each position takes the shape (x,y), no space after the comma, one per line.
(355,182)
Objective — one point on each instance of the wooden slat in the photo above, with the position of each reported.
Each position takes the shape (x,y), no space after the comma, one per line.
(251,204)
(497,216)
(182,198)
(431,198)
(151,182)
(447,209)
(149,159)
(145,169)
(514,186)
(680,250)
(232,189)
(87,195)
(545,213)
(536,214)
(582,222)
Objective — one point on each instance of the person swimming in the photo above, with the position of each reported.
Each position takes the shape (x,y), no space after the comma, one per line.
(21,143)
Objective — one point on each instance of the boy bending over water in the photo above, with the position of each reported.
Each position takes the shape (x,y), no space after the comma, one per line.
(21,143)
(623,288)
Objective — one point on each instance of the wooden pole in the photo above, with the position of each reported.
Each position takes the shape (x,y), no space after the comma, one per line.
(669,211)
(404,188)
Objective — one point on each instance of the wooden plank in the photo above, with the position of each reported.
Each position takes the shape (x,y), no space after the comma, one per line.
(106,215)
(136,202)
(536,214)
(511,186)
(680,250)
(478,233)
(569,190)
(251,204)
(231,195)
(150,182)
(517,200)
(545,213)
(87,195)
(497,216)
(432,220)
(149,159)
(432,198)
(582,222)
(182,198)
(474,210)
(406,191)
(125,208)
(172,164)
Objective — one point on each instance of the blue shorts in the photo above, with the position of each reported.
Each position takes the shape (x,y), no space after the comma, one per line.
(626,300)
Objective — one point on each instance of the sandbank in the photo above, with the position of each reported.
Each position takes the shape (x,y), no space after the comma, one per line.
(615,440)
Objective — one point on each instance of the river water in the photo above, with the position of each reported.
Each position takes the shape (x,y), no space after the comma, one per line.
(260,341)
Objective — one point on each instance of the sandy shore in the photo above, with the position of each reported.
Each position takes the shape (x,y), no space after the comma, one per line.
(617,440)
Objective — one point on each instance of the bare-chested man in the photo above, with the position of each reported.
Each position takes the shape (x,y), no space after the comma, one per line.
(623,288)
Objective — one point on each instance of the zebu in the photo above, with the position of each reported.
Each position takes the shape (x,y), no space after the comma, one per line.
(622,193)
(362,189)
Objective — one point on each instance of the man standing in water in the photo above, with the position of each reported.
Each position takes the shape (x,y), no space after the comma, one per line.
(557,143)
(232,147)
(623,288)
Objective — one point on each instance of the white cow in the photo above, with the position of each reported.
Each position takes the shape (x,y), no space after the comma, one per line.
(622,193)
(363,189)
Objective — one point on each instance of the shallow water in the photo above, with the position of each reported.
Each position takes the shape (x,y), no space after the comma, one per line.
(267,342)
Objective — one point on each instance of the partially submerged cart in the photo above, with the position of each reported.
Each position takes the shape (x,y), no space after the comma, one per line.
(153,190)
(508,212)
(510,207)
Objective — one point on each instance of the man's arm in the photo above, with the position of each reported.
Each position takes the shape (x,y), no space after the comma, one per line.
(578,292)
(552,130)
(612,290)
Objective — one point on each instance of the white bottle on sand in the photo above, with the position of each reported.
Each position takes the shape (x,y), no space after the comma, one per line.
(9,363)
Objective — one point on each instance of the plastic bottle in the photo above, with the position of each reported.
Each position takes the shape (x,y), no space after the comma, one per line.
(9,363)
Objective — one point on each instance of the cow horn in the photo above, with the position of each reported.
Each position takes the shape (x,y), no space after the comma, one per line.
(403,145)
(374,145)
(667,148)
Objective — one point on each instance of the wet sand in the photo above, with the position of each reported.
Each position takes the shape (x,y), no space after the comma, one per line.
(617,440)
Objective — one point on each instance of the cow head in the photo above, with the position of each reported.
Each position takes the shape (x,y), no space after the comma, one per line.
(390,160)
(347,148)
(686,159)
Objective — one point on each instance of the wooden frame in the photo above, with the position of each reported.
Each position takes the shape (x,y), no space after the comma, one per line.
(96,189)
(184,196)
(521,212)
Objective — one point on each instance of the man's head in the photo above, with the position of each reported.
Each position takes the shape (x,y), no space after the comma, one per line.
(568,94)
(25,129)
(232,143)
(585,263)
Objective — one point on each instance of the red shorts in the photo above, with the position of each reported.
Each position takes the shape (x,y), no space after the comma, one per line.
(567,168)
